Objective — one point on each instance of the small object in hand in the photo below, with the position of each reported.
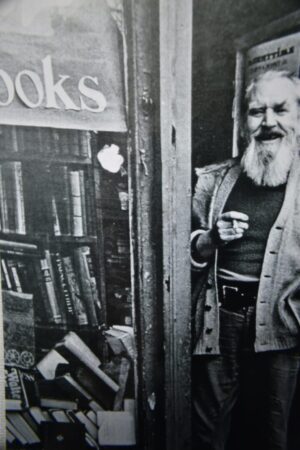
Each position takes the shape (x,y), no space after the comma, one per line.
(235,224)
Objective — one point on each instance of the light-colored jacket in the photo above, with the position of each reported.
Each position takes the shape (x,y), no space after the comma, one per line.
(278,302)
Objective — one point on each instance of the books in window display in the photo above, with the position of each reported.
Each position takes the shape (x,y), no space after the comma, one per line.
(37,140)
(61,203)
(69,201)
(64,287)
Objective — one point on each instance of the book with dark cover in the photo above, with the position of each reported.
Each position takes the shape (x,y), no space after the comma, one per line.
(81,317)
(63,289)
(19,335)
(63,436)
(61,193)
(20,389)
(49,282)
(14,398)
(96,387)
(12,194)
(6,281)
(38,212)
(17,247)
(13,271)
(84,267)
(85,146)
(64,387)
(26,274)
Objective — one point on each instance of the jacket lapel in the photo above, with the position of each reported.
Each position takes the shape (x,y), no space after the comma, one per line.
(224,190)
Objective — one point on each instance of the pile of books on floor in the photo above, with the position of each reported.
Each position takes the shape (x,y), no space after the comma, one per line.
(70,395)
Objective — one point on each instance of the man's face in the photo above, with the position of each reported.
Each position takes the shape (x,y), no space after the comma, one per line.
(272,116)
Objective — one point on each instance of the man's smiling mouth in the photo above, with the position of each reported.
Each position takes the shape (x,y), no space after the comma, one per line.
(269,136)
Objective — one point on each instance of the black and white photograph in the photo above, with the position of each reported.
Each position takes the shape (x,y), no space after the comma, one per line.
(150,224)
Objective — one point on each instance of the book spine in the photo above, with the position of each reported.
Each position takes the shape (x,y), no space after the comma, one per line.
(9,187)
(83,200)
(20,207)
(16,419)
(55,219)
(16,433)
(42,307)
(85,148)
(14,140)
(3,205)
(86,289)
(14,275)
(76,203)
(13,387)
(11,440)
(61,190)
(75,345)
(46,141)
(18,246)
(55,141)
(49,284)
(26,275)
(20,138)
(63,289)
(75,294)
(74,143)
(64,142)
(6,274)
(86,253)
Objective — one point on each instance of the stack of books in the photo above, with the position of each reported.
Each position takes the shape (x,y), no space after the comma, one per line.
(69,386)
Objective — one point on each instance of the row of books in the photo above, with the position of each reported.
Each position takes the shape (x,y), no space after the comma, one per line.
(64,286)
(34,200)
(45,141)
(70,202)
(70,386)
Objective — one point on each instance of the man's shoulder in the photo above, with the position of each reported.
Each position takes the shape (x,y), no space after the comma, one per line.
(218,168)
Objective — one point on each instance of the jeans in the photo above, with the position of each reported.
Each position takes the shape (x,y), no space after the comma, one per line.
(263,383)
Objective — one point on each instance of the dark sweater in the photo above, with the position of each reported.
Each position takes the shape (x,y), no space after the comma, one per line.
(262,204)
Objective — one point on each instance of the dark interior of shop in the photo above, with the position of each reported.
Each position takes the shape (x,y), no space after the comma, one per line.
(217,25)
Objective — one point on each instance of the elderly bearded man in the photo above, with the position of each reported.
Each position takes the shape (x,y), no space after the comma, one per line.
(246,248)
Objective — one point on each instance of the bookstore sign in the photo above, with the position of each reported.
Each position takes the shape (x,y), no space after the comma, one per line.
(46,83)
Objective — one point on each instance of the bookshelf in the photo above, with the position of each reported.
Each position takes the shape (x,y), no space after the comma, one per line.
(65,265)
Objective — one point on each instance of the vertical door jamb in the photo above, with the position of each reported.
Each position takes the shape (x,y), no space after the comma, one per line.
(175,127)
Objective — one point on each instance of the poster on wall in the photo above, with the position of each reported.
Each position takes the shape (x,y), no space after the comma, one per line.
(278,54)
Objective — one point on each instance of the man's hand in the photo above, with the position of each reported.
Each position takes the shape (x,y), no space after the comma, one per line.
(230,226)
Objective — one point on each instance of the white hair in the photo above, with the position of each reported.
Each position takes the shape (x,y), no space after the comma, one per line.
(271,75)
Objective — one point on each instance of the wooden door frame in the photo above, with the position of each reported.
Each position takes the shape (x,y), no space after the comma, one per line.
(175,131)
(159,35)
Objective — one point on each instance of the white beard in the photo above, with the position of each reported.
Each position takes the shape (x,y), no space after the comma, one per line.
(266,165)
